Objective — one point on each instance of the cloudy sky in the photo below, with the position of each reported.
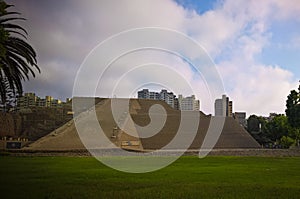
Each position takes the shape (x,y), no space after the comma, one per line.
(255,45)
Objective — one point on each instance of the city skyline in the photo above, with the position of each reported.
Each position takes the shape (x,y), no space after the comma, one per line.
(255,51)
(222,106)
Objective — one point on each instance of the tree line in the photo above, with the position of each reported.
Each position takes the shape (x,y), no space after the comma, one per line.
(279,131)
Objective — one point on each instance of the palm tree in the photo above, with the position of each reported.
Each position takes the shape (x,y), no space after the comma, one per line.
(17,57)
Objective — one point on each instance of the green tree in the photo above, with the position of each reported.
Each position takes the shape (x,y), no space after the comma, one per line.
(256,126)
(17,57)
(293,108)
(286,141)
(295,134)
(277,128)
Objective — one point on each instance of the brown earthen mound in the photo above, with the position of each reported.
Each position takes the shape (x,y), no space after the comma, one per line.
(66,137)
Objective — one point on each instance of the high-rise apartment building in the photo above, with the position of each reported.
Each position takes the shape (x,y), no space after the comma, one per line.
(188,103)
(154,95)
(230,107)
(48,101)
(41,102)
(219,107)
(223,107)
(163,95)
(143,94)
(28,100)
(181,103)
(168,97)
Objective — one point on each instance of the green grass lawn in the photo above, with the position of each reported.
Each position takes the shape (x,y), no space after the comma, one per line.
(188,177)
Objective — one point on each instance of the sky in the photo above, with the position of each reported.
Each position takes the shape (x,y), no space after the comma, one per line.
(255,46)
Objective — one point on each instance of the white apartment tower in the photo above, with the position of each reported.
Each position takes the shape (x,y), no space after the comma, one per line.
(223,107)
(188,103)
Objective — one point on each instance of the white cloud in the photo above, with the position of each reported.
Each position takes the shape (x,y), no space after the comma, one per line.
(254,87)
(234,33)
(257,89)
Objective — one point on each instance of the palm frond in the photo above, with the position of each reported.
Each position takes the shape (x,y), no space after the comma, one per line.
(18,58)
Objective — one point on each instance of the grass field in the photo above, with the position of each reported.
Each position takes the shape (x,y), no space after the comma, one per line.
(188,177)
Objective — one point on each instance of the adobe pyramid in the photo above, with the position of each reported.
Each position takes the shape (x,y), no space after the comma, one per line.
(67,138)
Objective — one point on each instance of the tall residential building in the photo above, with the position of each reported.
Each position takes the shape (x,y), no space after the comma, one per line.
(27,100)
(188,103)
(154,95)
(168,97)
(182,103)
(197,105)
(225,101)
(230,107)
(223,107)
(48,101)
(163,95)
(143,94)
(41,102)
(56,103)
(219,108)
(176,104)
